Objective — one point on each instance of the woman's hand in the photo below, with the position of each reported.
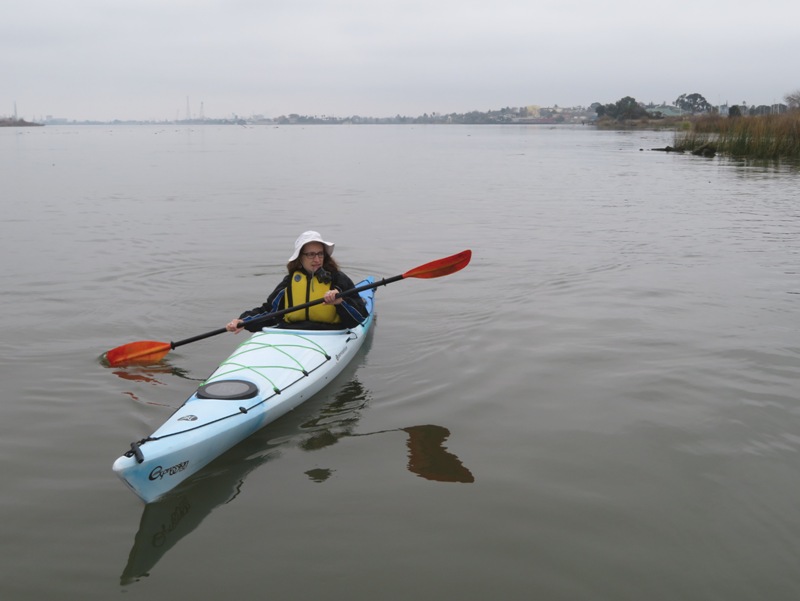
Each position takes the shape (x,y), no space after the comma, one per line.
(234,325)
(330,298)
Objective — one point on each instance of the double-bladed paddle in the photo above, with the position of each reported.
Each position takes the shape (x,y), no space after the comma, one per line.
(151,351)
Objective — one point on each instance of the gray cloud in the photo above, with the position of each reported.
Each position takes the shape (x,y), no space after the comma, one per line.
(107,59)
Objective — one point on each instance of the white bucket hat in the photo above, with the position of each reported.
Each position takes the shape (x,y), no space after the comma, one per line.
(305,238)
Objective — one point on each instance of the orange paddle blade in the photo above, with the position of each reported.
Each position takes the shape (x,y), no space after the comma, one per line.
(441,267)
(143,352)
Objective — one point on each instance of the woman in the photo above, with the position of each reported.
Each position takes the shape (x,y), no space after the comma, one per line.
(313,275)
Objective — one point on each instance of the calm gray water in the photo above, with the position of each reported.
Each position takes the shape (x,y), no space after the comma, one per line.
(616,370)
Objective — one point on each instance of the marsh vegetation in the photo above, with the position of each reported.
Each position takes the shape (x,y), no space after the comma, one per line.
(756,137)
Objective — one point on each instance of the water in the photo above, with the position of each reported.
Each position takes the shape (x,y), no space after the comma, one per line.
(616,371)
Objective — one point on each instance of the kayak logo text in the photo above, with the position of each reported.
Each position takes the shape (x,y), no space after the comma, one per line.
(159,472)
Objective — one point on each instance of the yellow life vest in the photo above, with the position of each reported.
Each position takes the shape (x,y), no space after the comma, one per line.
(301,291)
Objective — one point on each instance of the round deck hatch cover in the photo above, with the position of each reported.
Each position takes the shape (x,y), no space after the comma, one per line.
(228,390)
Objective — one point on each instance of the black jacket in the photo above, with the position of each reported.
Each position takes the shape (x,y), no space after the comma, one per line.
(352,311)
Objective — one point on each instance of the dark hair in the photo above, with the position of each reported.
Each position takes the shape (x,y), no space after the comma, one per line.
(328,263)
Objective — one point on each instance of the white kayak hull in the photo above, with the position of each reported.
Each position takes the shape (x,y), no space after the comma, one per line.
(268,375)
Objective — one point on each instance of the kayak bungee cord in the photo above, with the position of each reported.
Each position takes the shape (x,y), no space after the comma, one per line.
(135,450)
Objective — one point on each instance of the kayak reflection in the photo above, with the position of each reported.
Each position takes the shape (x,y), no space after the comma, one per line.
(168,520)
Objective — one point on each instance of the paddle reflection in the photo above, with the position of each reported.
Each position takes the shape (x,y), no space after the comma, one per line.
(150,374)
(166,521)
(427,455)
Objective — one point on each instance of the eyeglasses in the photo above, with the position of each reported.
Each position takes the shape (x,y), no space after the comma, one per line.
(317,255)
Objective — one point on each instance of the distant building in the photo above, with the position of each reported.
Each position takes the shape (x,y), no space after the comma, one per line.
(665,110)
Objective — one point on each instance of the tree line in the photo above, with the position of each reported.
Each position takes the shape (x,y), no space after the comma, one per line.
(628,108)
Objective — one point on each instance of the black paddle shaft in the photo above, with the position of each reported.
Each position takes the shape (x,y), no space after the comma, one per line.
(267,316)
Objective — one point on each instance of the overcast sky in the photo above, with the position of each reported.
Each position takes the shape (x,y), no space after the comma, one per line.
(142,59)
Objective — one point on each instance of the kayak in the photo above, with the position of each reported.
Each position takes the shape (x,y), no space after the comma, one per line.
(269,374)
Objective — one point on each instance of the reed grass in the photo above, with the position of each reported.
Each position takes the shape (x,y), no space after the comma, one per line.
(760,137)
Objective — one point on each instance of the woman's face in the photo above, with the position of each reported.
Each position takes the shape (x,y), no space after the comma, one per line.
(312,256)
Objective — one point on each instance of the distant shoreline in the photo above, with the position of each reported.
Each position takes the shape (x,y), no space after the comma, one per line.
(18,123)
